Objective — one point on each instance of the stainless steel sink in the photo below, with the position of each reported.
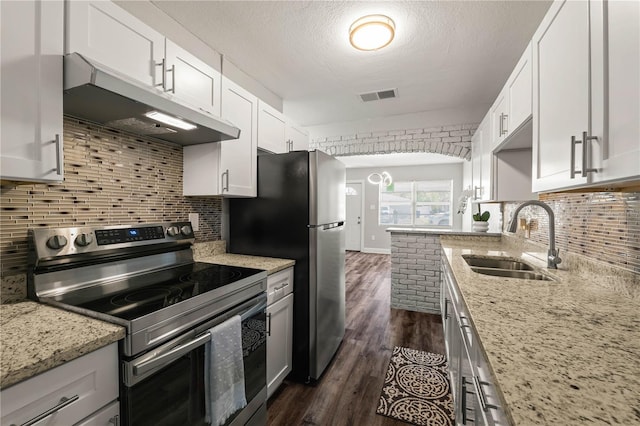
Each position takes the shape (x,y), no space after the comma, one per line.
(526,275)
(498,263)
(504,267)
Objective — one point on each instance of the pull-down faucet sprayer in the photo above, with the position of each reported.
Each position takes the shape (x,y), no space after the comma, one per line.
(552,256)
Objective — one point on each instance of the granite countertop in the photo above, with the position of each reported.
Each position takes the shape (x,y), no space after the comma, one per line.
(37,337)
(440,231)
(270,264)
(563,352)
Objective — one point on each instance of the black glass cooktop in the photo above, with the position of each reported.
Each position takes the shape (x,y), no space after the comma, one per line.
(143,294)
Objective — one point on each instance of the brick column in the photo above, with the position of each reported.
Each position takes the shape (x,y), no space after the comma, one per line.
(415,271)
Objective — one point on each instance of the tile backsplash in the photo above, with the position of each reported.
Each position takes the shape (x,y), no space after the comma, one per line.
(603,226)
(111,178)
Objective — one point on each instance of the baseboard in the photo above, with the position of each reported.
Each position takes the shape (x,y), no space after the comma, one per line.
(375,250)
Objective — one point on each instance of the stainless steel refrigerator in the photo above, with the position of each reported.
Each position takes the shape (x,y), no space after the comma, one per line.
(299,214)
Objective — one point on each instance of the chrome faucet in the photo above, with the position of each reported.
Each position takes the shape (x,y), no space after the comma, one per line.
(552,256)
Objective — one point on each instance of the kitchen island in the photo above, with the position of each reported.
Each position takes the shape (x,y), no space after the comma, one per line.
(561,352)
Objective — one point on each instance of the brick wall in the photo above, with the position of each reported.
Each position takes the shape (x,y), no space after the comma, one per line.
(415,272)
(454,140)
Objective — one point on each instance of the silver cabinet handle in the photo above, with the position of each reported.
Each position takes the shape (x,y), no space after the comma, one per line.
(225,182)
(585,152)
(503,123)
(446,311)
(163,64)
(573,171)
(115,420)
(173,79)
(475,192)
(269,324)
(282,286)
(500,127)
(58,143)
(64,401)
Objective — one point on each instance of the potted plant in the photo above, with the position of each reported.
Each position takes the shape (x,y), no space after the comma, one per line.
(481,221)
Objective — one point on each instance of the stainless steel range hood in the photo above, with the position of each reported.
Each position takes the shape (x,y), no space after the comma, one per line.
(99,94)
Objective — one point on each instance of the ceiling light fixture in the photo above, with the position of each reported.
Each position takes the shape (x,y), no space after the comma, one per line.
(170,120)
(382,179)
(372,32)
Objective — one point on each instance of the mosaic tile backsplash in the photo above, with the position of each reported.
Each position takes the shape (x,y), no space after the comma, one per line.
(603,226)
(111,178)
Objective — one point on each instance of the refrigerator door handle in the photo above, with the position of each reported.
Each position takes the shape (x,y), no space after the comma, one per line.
(326,226)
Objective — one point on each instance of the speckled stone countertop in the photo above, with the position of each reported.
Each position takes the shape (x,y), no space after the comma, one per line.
(37,337)
(439,231)
(564,352)
(270,264)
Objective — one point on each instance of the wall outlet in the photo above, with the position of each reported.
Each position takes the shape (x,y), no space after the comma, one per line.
(373,238)
(194,218)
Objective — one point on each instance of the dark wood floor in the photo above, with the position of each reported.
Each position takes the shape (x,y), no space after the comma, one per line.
(348,392)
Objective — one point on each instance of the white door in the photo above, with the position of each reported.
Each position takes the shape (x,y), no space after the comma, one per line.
(353,225)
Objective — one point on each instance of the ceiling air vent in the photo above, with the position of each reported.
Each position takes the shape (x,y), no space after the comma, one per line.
(379,95)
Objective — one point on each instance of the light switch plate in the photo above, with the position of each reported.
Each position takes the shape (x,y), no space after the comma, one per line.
(194,218)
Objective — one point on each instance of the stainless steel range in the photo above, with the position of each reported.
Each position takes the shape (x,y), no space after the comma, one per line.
(144,278)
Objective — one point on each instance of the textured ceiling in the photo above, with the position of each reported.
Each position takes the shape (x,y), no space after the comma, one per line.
(446,54)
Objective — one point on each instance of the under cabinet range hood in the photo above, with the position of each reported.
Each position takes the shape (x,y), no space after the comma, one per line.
(97,93)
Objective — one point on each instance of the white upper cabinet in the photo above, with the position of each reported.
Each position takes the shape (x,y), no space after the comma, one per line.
(271,129)
(561,109)
(586,58)
(621,88)
(226,168)
(519,91)
(481,159)
(32,43)
(192,80)
(111,36)
(296,139)
(512,107)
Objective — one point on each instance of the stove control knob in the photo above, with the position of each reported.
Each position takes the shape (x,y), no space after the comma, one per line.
(172,231)
(56,242)
(186,230)
(83,240)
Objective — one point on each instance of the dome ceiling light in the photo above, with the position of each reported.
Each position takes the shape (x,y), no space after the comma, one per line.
(372,32)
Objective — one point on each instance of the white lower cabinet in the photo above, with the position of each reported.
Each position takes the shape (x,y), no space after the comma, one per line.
(475,396)
(76,392)
(279,328)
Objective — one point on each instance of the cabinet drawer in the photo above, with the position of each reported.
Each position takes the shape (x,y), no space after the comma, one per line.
(107,416)
(279,285)
(93,378)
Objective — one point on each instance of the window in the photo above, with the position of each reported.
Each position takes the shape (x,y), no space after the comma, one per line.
(423,203)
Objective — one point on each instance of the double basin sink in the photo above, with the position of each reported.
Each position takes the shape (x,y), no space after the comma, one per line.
(504,267)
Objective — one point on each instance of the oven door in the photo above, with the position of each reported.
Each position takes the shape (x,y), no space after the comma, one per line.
(165,386)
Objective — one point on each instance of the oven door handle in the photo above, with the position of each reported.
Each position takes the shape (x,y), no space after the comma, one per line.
(146,365)
(139,368)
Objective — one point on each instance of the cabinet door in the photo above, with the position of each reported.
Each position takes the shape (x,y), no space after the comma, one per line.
(297,140)
(77,389)
(481,160)
(279,341)
(239,156)
(271,129)
(621,81)
(111,36)
(32,34)
(201,175)
(561,94)
(519,93)
(191,80)
(499,118)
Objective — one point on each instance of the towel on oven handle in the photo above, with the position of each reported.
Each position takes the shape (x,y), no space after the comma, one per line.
(224,372)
